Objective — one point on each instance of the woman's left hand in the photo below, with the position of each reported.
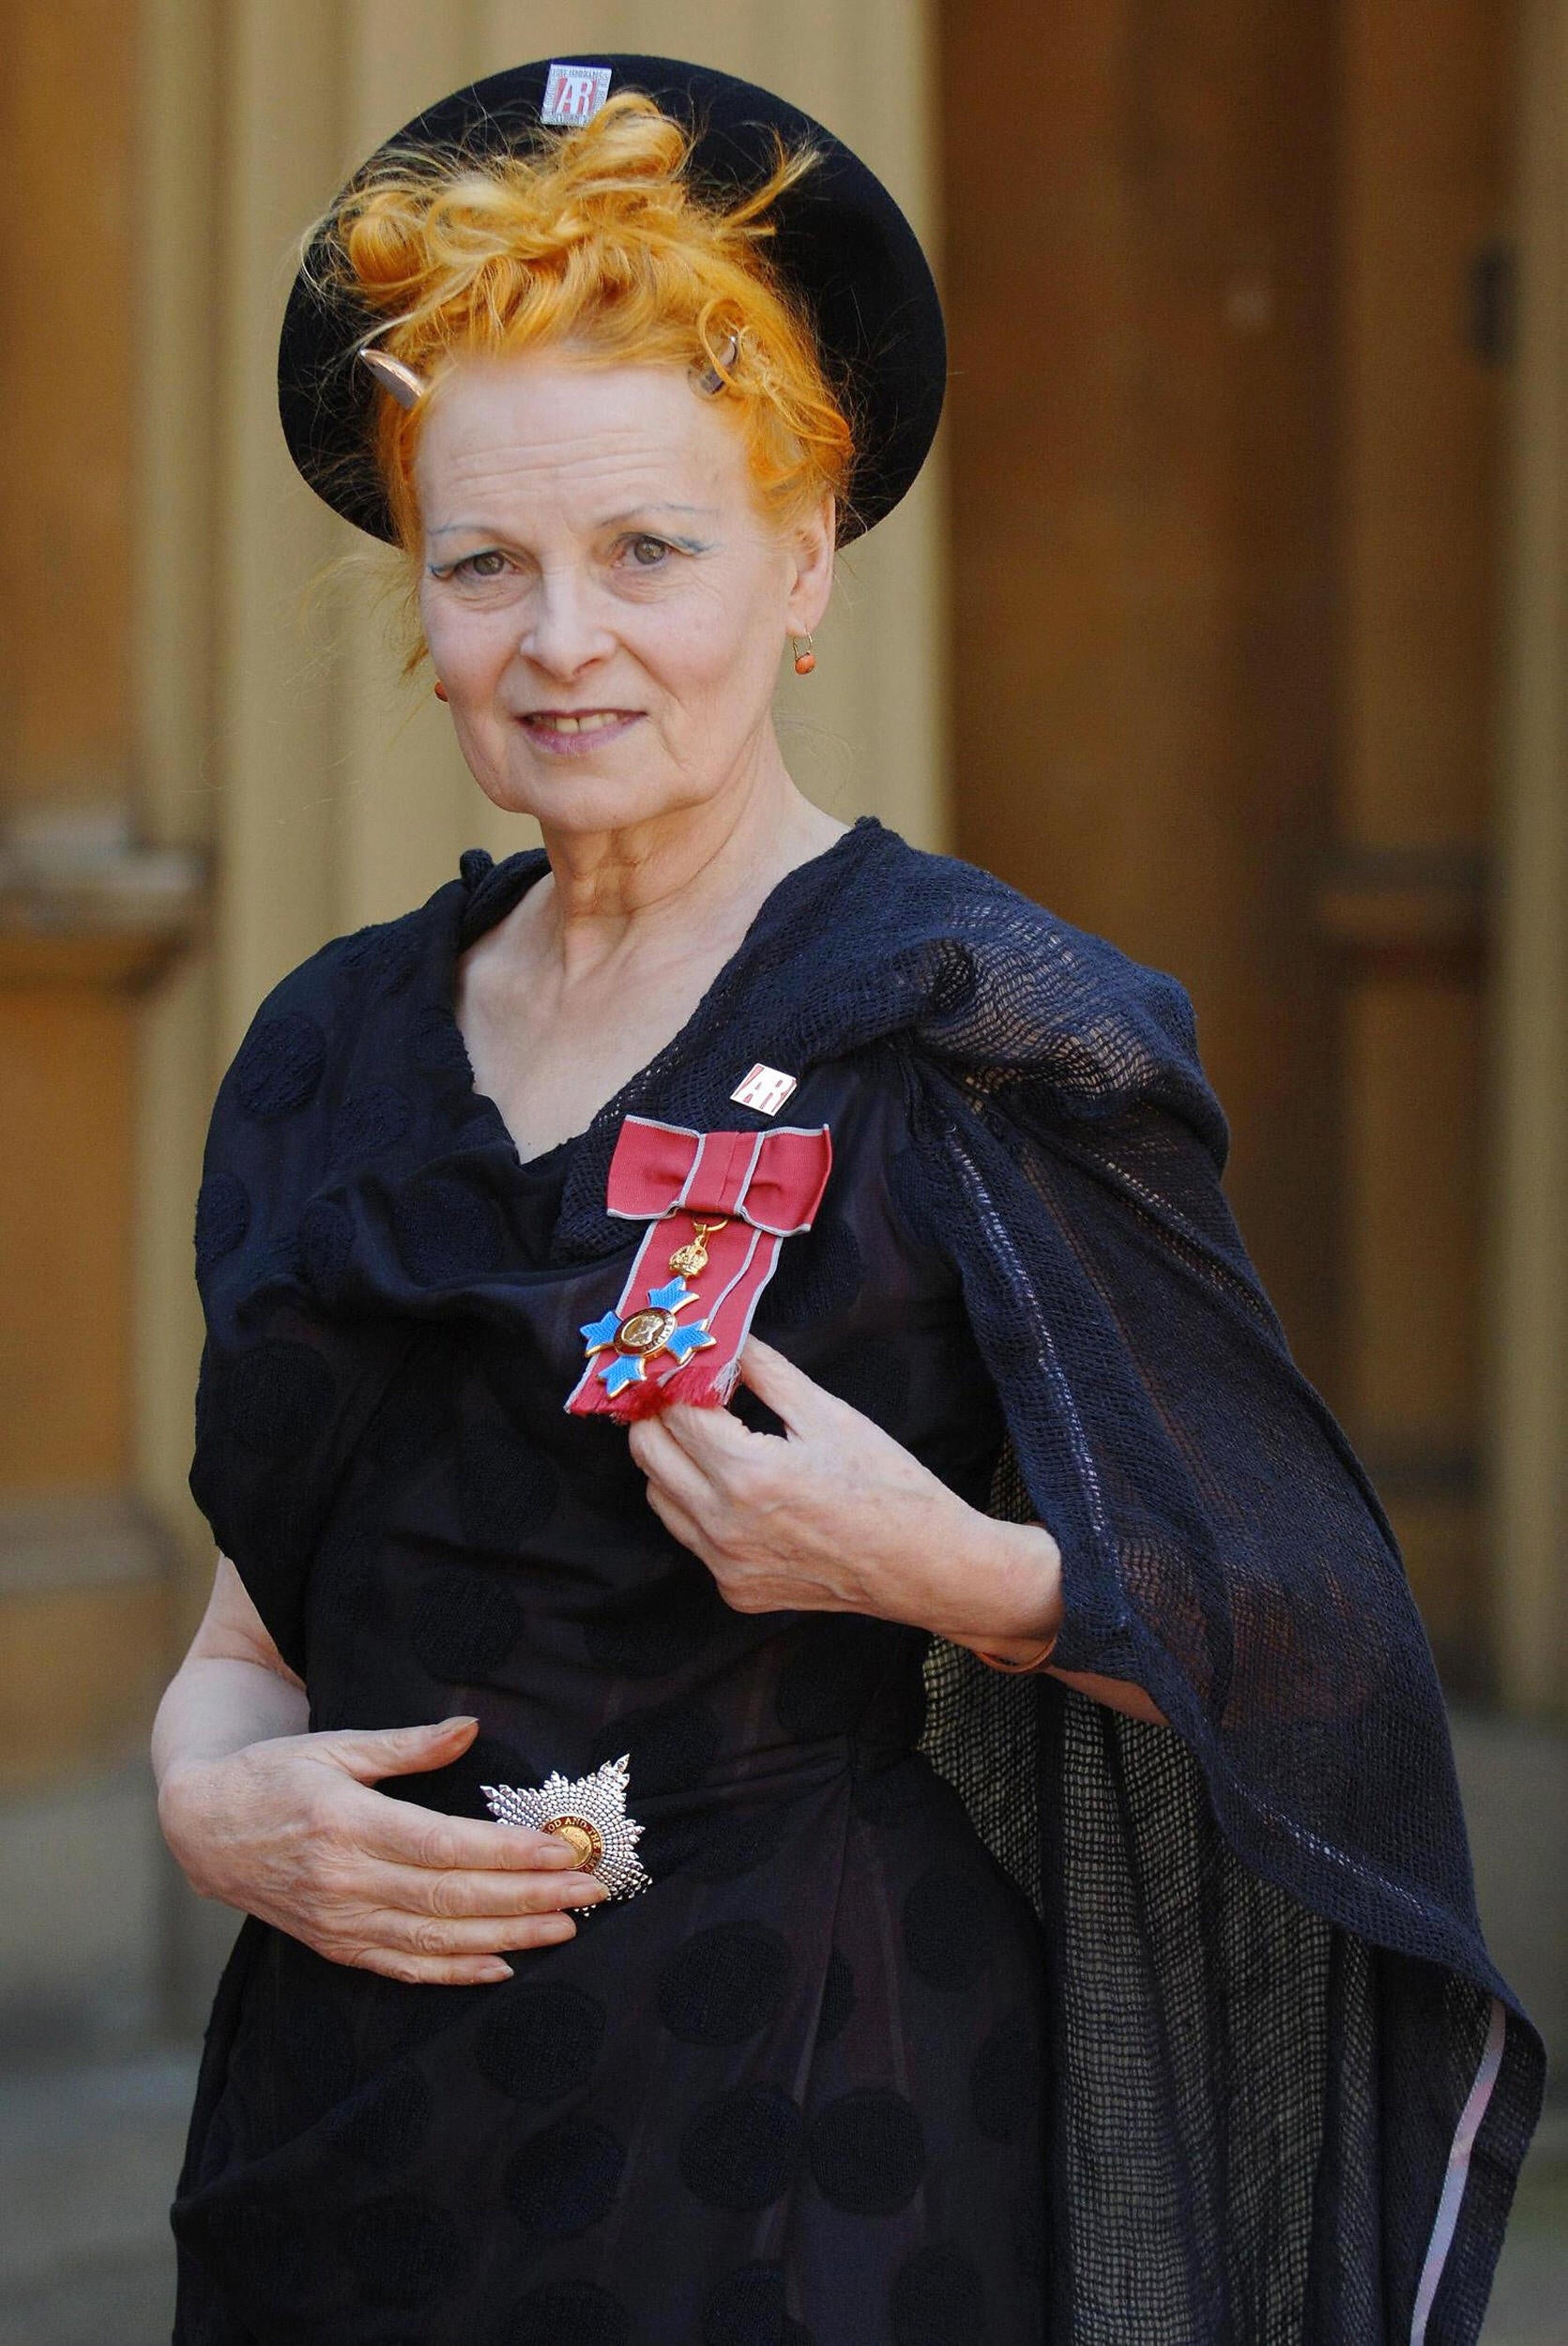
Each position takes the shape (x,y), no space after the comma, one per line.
(836,1517)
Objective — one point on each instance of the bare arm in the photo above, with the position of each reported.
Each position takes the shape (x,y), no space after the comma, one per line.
(284,1823)
(1029,1568)
(233,1688)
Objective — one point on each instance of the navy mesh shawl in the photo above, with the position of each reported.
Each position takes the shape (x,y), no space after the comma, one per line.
(1277,2024)
(1290,2093)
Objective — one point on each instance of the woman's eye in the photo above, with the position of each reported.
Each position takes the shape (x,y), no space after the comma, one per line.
(472,566)
(647,553)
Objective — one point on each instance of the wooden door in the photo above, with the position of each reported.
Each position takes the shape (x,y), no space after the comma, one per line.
(1221,448)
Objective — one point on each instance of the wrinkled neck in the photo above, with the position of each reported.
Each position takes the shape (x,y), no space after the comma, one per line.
(694,870)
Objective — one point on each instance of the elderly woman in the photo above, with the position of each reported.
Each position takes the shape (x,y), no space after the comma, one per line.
(936,1826)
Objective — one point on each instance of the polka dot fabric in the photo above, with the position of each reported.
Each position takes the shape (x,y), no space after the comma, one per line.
(742,2107)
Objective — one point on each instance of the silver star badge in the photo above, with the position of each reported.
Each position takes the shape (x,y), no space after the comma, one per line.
(589,1812)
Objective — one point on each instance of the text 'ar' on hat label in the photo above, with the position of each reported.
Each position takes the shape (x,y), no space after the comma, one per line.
(574,93)
(764,1089)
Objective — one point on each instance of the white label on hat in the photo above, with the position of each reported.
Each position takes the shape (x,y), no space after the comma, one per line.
(766,1088)
(574,93)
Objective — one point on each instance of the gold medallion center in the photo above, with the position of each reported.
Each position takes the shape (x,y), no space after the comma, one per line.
(647,1330)
(583,1835)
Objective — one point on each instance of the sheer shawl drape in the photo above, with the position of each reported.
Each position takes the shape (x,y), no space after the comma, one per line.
(1273,2002)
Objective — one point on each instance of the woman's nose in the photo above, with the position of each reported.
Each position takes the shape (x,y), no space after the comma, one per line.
(564,633)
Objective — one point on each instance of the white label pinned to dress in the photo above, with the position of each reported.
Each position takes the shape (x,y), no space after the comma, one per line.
(574,93)
(764,1089)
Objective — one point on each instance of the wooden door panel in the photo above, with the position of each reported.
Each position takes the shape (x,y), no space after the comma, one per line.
(1224,465)
(1139,251)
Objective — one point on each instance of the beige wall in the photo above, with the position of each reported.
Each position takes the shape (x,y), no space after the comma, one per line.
(274,723)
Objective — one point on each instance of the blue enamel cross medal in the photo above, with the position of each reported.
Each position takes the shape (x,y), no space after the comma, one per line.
(643,1334)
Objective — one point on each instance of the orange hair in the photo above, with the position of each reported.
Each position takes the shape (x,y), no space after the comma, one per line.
(598,238)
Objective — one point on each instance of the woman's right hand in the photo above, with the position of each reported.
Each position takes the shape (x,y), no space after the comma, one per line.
(289,1829)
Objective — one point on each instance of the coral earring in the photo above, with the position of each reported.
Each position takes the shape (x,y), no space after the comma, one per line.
(804,661)
(440,689)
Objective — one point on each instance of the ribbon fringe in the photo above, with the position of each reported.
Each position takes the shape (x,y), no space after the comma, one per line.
(696,1386)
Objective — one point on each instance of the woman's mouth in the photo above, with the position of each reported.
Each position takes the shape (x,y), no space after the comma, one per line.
(573,733)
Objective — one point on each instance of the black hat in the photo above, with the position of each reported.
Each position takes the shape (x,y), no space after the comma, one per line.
(840,244)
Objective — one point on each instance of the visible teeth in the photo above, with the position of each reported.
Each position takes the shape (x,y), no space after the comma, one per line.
(595,718)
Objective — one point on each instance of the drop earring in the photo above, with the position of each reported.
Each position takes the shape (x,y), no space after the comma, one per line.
(440,689)
(804,661)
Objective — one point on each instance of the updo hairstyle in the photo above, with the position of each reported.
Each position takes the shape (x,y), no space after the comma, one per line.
(594,237)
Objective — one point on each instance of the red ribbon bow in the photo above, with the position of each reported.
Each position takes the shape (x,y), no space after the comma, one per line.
(773,1180)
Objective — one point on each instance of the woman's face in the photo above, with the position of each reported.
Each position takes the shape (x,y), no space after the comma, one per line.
(602,599)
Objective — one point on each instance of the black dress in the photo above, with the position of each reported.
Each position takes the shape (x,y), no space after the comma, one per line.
(791,2092)
(794,2090)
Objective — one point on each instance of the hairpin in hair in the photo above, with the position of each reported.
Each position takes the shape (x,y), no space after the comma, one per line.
(709,379)
(406,387)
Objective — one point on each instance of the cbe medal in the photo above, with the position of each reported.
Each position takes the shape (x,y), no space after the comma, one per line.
(656,1328)
(728,1200)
